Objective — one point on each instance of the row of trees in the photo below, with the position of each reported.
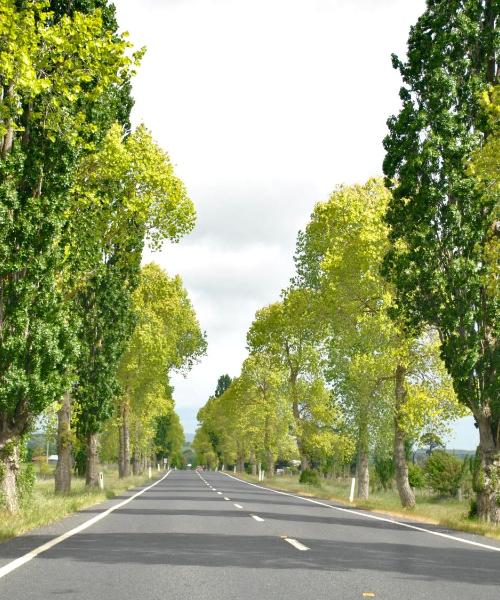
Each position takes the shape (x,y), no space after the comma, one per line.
(389,328)
(80,195)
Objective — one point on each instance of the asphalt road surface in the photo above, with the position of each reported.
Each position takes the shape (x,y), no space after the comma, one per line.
(211,537)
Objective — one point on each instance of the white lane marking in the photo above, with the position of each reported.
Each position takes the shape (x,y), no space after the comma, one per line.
(296,544)
(214,489)
(220,493)
(237,505)
(257,518)
(369,516)
(226,498)
(15,564)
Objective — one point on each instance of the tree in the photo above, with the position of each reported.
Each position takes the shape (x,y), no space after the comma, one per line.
(338,261)
(444,473)
(169,437)
(432,440)
(141,199)
(443,226)
(47,122)
(166,337)
(222,384)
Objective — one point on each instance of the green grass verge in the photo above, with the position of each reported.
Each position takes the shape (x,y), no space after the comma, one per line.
(447,512)
(46,507)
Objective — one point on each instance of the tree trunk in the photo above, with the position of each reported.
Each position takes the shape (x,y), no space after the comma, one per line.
(63,469)
(92,475)
(10,468)
(487,475)
(253,464)
(270,464)
(363,473)
(135,462)
(124,438)
(406,494)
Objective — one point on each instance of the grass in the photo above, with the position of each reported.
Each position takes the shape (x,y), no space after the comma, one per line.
(446,512)
(45,507)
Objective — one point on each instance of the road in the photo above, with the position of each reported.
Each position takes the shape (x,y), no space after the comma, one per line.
(212,537)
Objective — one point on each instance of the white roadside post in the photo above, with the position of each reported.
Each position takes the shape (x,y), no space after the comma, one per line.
(149,472)
(101,480)
(351,495)
(157,466)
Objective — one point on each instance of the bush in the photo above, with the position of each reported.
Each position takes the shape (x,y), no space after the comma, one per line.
(384,470)
(443,473)
(25,482)
(416,476)
(309,477)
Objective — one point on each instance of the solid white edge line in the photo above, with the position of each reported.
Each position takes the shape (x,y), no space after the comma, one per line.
(296,544)
(257,518)
(18,562)
(370,516)
(237,505)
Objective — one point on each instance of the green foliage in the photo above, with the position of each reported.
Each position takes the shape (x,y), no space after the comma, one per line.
(25,483)
(440,219)
(416,476)
(169,437)
(310,477)
(139,198)
(443,473)
(384,469)
(167,337)
(223,383)
(49,118)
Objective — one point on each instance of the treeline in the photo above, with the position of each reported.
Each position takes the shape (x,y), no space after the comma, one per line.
(389,328)
(81,193)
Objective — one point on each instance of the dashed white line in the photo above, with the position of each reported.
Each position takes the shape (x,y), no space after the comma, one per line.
(370,516)
(226,498)
(257,518)
(220,493)
(237,505)
(296,544)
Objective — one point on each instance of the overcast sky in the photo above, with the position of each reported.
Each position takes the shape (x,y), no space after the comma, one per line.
(264,107)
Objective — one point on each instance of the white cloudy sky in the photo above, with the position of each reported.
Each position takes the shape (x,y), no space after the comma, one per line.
(264,106)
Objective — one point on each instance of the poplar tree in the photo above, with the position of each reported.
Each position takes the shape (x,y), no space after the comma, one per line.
(443,225)
(55,72)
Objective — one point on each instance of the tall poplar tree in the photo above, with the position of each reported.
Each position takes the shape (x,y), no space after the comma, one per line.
(441,221)
(47,122)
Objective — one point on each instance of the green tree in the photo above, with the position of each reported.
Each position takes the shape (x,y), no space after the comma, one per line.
(222,384)
(442,223)
(169,437)
(140,199)
(47,122)
(378,373)
(444,472)
(166,337)
(286,334)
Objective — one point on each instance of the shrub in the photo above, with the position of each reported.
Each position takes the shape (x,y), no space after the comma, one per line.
(443,473)
(25,482)
(309,477)
(473,509)
(384,470)
(416,476)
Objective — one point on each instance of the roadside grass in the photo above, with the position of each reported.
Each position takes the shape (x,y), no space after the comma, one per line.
(45,507)
(446,512)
